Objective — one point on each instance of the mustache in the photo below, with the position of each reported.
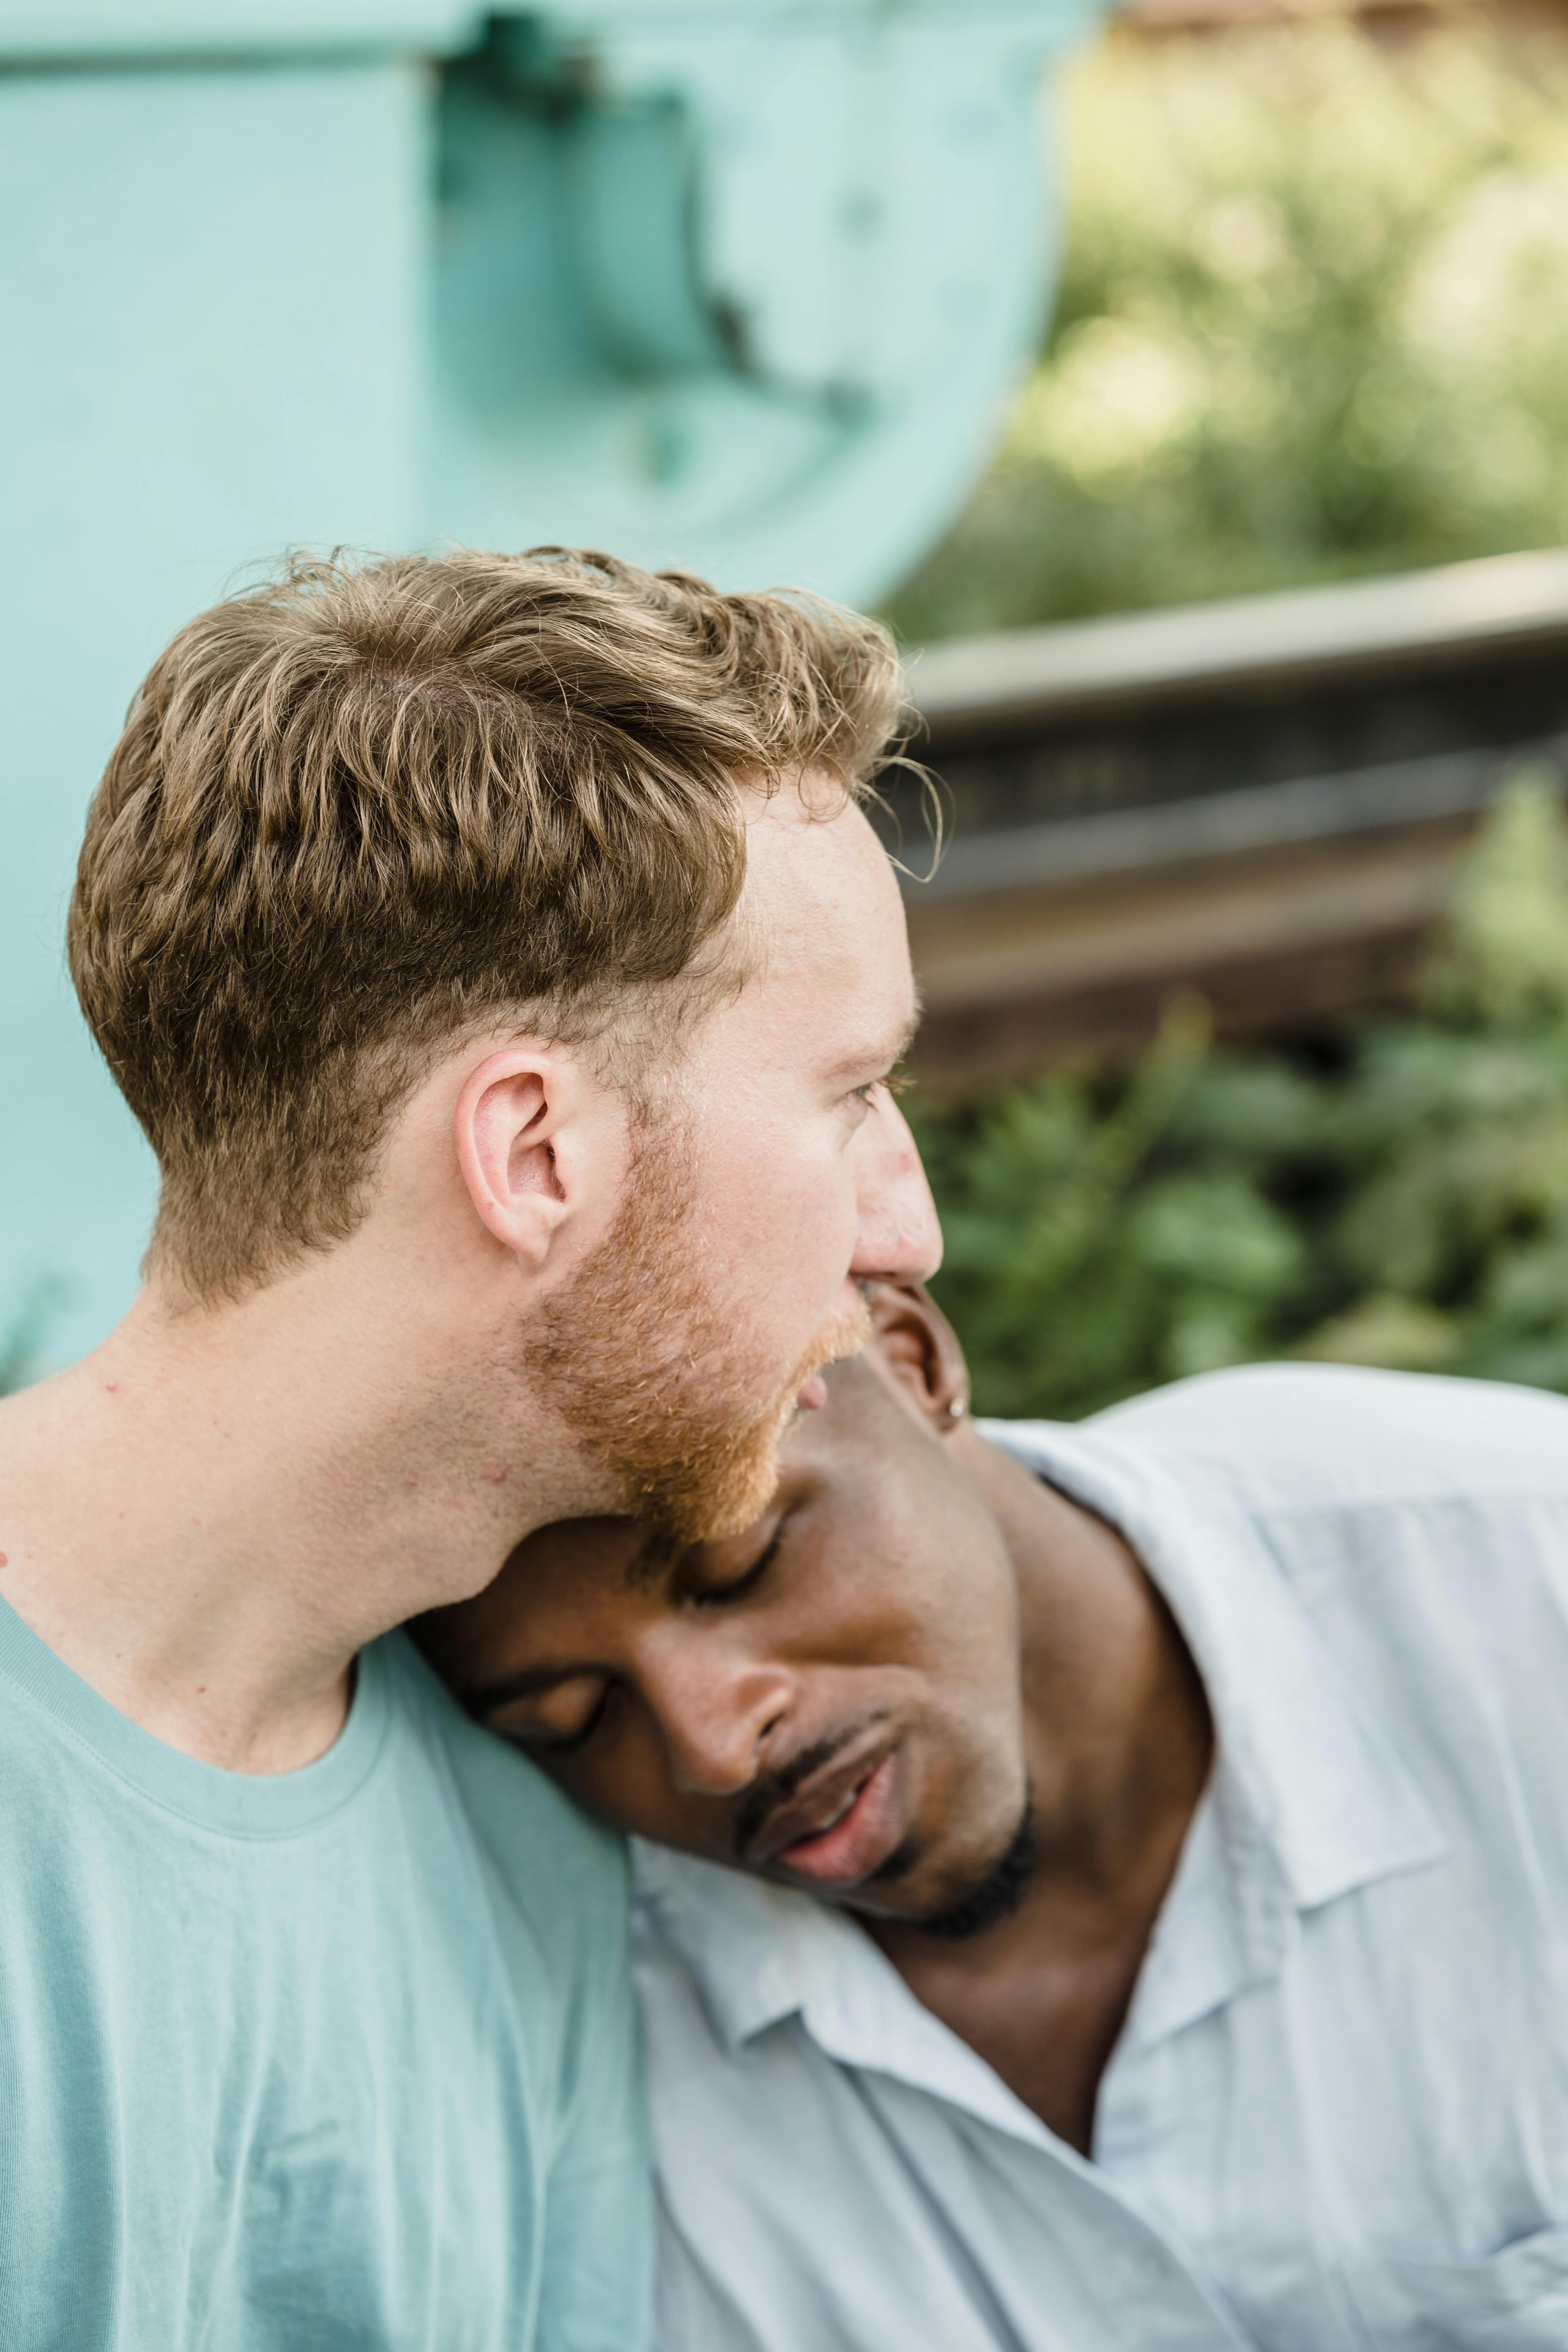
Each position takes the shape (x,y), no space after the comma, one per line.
(765,1796)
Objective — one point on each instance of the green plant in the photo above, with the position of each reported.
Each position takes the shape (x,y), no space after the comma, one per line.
(1399,1197)
(1313,322)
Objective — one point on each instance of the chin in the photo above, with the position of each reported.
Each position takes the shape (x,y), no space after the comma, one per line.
(980,1892)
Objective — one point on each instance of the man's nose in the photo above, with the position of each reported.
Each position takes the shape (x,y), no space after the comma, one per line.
(714,1715)
(898,1238)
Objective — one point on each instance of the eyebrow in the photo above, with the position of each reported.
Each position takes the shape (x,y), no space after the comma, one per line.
(889,1052)
(655,1556)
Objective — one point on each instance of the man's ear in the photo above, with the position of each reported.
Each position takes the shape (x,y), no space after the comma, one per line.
(918,1349)
(507,1127)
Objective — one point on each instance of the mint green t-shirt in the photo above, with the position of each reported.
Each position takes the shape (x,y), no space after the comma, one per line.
(338,2061)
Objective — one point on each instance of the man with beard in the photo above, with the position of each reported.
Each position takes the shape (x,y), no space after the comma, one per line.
(499,961)
(1122,1896)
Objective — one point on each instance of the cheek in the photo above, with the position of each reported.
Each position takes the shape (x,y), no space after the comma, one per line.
(627,1784)
(953,1648)
(778,1209)
(960,1608)
(903,1587)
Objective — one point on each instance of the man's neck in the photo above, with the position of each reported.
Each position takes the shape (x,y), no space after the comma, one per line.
(212,1513)
(1118,1745)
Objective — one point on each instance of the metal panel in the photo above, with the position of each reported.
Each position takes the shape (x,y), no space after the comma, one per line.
(737,283)
(100,29)
(843,215)
(211,310)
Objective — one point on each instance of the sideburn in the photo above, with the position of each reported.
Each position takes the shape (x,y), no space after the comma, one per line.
(645,1364)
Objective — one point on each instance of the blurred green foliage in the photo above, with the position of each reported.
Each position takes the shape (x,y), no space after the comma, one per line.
(1398,1198)
(1312,323)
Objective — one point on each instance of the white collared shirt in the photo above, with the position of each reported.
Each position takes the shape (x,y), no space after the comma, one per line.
(1338,2113)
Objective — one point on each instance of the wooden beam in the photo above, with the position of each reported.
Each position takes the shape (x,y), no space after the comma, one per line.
(1275,940)
(1261,800)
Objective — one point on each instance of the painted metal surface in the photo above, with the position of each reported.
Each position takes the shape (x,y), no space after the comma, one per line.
(210,298)
(737,283)
(789,259)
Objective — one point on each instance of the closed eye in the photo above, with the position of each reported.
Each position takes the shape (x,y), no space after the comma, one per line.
(722,1596)
(548,1714)
(546,1743)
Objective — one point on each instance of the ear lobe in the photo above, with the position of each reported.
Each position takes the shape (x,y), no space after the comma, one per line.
(918,1351)
(506,1121)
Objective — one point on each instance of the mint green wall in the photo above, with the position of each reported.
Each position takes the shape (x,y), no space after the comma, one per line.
(268,275)
(210,285)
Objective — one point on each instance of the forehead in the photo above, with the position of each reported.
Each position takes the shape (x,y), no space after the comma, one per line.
(821,904)
(580,1558)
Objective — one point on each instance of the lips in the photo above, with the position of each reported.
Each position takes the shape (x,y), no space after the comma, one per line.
(843,1827)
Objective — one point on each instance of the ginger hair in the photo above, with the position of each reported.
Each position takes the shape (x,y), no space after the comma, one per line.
(370,806)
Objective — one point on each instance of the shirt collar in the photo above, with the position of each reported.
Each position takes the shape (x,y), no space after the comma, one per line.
(758,1954)
(1303,1767)
(1309,1799)
(755,1949)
